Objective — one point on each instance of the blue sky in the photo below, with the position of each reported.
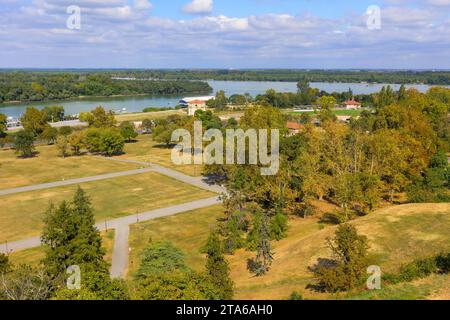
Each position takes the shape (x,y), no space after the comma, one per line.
(413,34)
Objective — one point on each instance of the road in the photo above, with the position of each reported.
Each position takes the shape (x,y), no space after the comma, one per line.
(121,225)
(63,183)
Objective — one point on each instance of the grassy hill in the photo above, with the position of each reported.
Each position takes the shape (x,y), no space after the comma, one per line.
(397,236)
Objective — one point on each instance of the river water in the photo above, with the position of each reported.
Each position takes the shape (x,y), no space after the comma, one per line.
(137,104)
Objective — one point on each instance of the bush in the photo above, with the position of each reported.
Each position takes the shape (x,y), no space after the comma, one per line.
(279,226)
(295,296)
(106,141)
(348,271)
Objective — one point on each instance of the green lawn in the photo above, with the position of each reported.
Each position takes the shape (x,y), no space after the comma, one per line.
(22,214)
(47,166)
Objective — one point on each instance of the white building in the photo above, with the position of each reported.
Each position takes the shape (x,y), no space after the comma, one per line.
(12,122)
(195,105)
(184,103)
(352,105)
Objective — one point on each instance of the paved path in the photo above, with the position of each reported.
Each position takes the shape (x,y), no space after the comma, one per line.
(122,225)
(195,181)
(73,181)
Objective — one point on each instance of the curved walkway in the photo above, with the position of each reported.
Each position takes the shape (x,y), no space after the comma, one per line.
(121,225)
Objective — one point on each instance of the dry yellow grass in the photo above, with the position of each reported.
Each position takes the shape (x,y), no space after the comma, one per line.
(47,166)
(397,236)
(34,256)
(145,149)
(147,115)
(21,215)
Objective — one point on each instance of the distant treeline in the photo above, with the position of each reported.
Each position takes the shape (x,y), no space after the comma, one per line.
(41,86)
(390,77)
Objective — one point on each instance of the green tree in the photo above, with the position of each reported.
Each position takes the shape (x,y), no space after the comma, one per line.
(111,142)
(99,118)
(50,134)
(3,127)
(4,264)
(349,267)
(62,145)
(54,113)
(217,267)
(24,143)
(161,257)
(127,131)
(77,141)
(264,255)
(325,107)
(34,121)
(71,238)
(221,101)
(147,125)
(65,131)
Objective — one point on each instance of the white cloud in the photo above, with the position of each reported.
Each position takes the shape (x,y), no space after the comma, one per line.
(142,5)
(199,7)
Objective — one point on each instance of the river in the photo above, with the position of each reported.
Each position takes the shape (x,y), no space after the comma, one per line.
(137,104)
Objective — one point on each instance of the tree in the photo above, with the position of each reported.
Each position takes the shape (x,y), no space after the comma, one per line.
(4,263)
(25,283)
(77,141)
(348,270)
(96,285)
(49,134)
(63,146)
(107,141)
(127,131)
(34,121)
(148,125)
(71,238)
(54,113)
(163,132)
(65,131)
(24,143)
(325,107)
(264,255)
(221,101)
(3,126)
(99,118)
(161,257)
(111,142)
(217,267)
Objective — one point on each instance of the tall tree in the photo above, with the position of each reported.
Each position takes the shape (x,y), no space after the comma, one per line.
(70,238)
(264,255)
(217,267)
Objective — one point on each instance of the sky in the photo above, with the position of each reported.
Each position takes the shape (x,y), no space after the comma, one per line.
(234,34)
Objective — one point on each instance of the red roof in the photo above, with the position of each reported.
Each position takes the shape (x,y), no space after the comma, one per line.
(352,103)
(197,102)
(293,125)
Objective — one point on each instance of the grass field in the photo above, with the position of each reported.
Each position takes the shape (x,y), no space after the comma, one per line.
(34,256)
(145,149)
(21,214)
(397,236)
(47,166)
(147,115)
(187,231)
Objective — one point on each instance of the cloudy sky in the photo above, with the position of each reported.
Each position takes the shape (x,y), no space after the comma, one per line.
(413,34)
